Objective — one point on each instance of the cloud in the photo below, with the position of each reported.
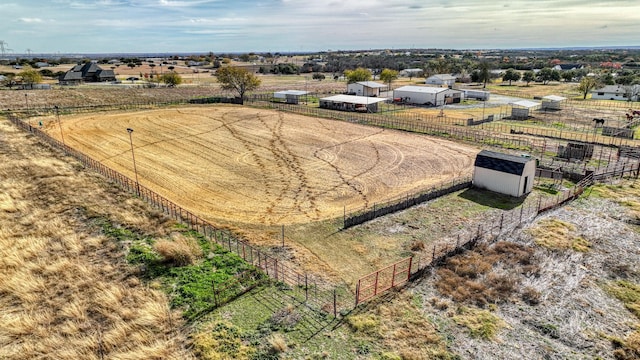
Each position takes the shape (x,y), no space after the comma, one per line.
(31,20)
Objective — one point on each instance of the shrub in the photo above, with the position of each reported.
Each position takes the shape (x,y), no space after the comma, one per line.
(366,323)
(181,252)
(286,318)
(278,343)
(480,323)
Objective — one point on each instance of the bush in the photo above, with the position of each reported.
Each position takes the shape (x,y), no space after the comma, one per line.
(180,252)
(278,343)
(366,323)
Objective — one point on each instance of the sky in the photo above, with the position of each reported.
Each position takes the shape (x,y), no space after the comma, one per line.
(201,26)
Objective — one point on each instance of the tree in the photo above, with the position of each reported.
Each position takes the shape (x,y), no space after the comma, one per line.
(388,75)
(237,79)
(528,76)
(568,75)
(511,75)
(171,79)
(484,73)
(549,74)
(359,74)
(9,80)
(587,84)
(30,77)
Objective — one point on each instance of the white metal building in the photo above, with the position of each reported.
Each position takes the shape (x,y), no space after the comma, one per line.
(427,95)
(441,79)
(365,88)
(552,102)
(290,96)
(351,103)
(617,92)
(504,173)
(520,109)
(476,94)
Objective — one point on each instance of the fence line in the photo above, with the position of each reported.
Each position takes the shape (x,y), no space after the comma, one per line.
(406,202)
(300,286)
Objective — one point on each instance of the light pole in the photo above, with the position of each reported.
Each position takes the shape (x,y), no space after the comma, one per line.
(135,170)
(59,124)
(26,101)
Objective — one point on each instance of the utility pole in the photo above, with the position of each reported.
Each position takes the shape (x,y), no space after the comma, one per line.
(59,124)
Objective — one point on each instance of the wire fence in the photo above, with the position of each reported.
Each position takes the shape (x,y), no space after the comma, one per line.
(311,290)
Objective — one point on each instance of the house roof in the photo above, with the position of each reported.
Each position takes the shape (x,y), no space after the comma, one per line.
(352,99)
(422,89)
(371,84)
(443,77)
(525,103)
(501,162)
(554,98)
(569,66)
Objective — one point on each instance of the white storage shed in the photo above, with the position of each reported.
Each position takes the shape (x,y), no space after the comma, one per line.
(552,102)
(365,88)
(520,109)
(290,96)
(421,95)
(351,103)
(504,173)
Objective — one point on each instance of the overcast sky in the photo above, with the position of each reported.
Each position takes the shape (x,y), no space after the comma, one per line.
(139,26)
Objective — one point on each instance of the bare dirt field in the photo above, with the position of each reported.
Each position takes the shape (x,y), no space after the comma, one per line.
(243,165)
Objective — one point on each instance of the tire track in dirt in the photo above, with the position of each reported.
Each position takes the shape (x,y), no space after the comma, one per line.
(343,178)
(286,158)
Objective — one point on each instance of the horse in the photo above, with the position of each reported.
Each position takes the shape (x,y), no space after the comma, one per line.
(598,122)
(629,117)
(636,112)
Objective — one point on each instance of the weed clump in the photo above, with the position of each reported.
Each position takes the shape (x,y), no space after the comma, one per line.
(480,323)
(181,251)
(556,234)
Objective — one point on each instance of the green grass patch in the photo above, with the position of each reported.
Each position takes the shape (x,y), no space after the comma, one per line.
(480,324)
(628,293)
(209,279)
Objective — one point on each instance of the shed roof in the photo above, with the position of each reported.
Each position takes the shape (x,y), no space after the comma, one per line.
(284,93)
(554,98)
(525,103)
(422,89)
(501,162)
(444,77)
(352,99)
(371,84)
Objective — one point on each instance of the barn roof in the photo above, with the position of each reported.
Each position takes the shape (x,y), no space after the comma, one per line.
(501,162)
(444,77)
(352,99)
(371,84)
(422,89)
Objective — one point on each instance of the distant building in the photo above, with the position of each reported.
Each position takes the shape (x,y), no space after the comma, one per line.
(504,173)
(365,88)
(88,72)
(568,67)
(426,95)
(617,92)
(290,96)
(351,103)
(441,79)
(411,72)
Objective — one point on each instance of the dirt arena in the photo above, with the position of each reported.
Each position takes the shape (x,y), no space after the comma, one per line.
(244,165)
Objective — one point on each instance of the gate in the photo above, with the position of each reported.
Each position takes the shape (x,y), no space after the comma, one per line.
(382,280)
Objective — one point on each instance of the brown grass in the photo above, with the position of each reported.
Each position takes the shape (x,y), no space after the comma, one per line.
(473,277)
(180,251)
(65,291)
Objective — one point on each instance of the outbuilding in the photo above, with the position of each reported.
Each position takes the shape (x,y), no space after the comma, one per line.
(504,173)
(290,96)
(552,102)
(365,88)
(426,95)
(351,103)
(441,79)
(520,109)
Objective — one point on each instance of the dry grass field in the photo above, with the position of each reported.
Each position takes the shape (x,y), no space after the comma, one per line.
(65,290)
(242,165)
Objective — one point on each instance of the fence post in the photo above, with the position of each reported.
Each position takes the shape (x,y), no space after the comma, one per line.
(501,221)
(335,303)
(306,287)
(357,294)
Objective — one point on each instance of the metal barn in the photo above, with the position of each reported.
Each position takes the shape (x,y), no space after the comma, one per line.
(504,173)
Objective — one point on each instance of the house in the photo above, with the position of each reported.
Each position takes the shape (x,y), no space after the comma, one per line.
(427,95)
(88,72)
(568,67)
(290,96)
(617,92)
(41,64)
(365,88)
(552,102)
(503,173)
(520,109)
(441,79)
(351,103)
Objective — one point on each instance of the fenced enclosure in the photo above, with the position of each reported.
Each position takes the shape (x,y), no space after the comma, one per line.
(395,205)
(313,291)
